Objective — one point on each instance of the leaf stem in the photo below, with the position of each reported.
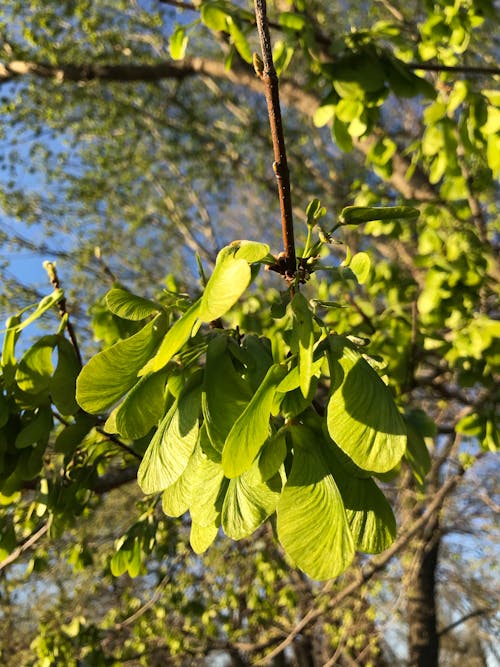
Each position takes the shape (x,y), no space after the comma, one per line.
(267,73)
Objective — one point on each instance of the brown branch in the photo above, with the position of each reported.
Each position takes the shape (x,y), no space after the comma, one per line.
(373,566)
(27,544)
(458,69)
(416,187)
(50,267)
(477,612)
(267,73)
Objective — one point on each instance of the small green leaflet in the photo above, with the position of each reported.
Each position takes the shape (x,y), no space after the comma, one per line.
(177,44)
(302,340)
(174,339)
(360,265)
(225,393)
(248,503)
(35,369)
(362,417)
(251,429)
(111,373)
(311,521)
(227,283)
(45,304)
(63,381)
(142,408)
(239,40)
(355,215)
(370,517)
(37,429)
(9,343)
(128,306)
(171,447)
(251,251)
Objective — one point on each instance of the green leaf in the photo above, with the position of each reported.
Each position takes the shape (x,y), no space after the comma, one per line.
(72,436)
(250,251)
(311,521)
(45,304)
(225,393)
(63,382)
(292,20)
(177,44)
(239,40)
(171,447)
(143,406)
(360,265)
(128,306)
(36,430)
(209,488)
(201,537)
(355,215)
(174,339)
(341,135)
(214,16)
(35,369)
(247,504)
(111,373)
(251,429)
(419,426)
(8,357)
(272,455)
(229,280)
(302,340)
(369,515)
(362,417)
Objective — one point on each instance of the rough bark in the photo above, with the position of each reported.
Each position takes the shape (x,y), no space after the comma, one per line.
(419,582)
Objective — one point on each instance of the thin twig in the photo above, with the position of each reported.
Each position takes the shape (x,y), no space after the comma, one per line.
(267,73)
(50,267)
(27,544)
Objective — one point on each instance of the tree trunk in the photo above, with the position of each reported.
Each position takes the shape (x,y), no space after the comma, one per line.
(419,581)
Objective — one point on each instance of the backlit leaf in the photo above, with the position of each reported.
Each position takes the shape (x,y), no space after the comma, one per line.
(178,334)
(311,521)
(112,372)
(247,504)
(128,306)
(171,447)
(227,283)
(143,406)
(251,429)
(362,417)
(225,393)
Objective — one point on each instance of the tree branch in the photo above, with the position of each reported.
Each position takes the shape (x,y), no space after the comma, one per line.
(477,612)
(267,73)
(27,544)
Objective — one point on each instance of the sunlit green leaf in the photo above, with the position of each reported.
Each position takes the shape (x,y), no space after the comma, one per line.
(355,215)
(171,447)
(124,304)
(362,417)
(229,280)
(225,393)
(112,372)
(178,334)
(143,406)
(63,382)
(302,340)
(311,521)
(251,429)
(369,515)
(35,369)
(247,504)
